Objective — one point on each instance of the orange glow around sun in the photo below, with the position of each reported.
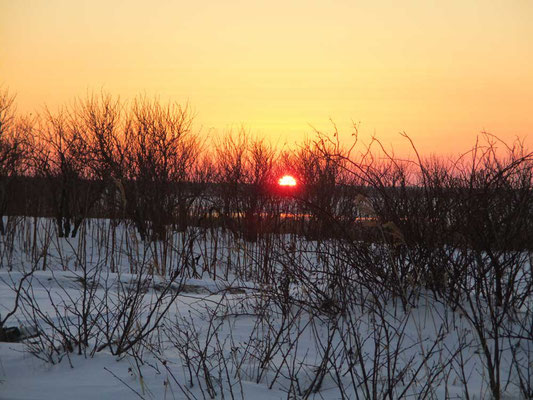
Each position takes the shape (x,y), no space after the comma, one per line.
(287,180)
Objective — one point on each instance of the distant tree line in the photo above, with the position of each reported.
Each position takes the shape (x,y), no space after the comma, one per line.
(145,163)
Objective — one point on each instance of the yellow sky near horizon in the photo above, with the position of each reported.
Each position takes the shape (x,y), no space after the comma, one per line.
(440,71)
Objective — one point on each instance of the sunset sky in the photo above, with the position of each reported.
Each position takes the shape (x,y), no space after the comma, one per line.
(442,71)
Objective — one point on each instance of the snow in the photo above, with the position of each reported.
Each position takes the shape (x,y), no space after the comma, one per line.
(229,320)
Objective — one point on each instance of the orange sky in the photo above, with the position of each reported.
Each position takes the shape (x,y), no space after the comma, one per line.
(442,71)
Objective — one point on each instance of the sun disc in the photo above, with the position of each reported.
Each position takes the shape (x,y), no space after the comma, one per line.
(287,180)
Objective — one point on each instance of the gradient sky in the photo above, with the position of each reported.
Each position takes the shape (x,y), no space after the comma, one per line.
(442,71)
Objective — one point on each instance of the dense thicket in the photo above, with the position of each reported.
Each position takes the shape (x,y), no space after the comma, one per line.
(145,162)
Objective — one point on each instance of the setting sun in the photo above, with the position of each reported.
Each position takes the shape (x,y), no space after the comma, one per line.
(287,180)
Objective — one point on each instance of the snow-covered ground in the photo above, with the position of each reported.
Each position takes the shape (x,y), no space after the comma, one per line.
(102,375)
(191,319)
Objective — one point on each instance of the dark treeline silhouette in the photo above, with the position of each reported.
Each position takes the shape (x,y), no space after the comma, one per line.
(145,163)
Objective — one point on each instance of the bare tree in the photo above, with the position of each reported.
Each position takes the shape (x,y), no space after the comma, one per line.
(162,150)
(62,157)
(14,135)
